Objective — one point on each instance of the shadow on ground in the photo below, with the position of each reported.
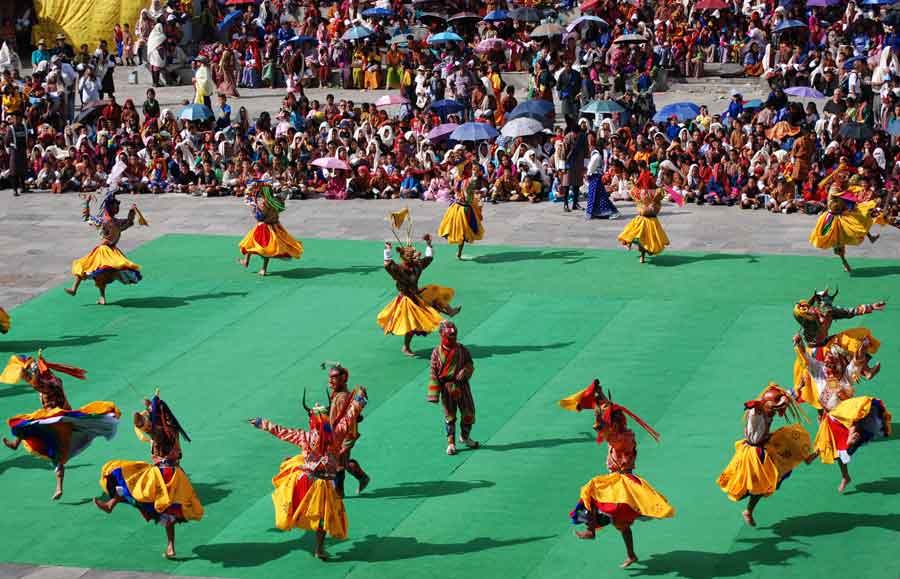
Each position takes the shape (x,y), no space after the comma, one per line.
(29,346)
(875,271)
(540,443)
(675,260)
(26,461)
(886,486)
(489,351)
(374,549)
(211,493)
(164,302)
(425,489)
(819,524)
(311,272)
(250,554)
(568,256)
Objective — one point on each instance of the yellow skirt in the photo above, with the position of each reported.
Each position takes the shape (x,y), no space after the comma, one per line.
(156,491)
(437,296)
(755,473)
(300,504)
(647,232)
(461,223)
(848,228)
(404,315)
(271,241)
(831,439)
(58,435)
(106,264)
(620,489)
(850,341)
(4,321)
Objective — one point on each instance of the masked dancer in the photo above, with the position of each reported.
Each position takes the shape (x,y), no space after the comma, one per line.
(338,397)
(106,263)
(846,421)
(451,370)
(620,497)
(268,239)
(462,220)
(55,432)
(645,229)
(161,491)
(846,222)
(414,312)
(305,496)
(763,459)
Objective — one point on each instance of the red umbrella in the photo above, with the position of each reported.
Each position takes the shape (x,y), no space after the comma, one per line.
(239,2)
(710,5)
(590,5)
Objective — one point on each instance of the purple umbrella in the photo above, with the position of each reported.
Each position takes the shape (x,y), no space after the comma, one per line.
(441,131)
(805,92)
(822,3)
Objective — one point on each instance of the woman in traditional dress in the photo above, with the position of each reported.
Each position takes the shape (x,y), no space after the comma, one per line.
(155,47)
(847,421)
(55,432)
(106,263)
(462,220)
(620,497)
(161,491)
(599,205)
(268,238)
(227,81)
(645,229)
(305,496)
(762,460)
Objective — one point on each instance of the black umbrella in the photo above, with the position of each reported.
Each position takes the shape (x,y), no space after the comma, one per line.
(89,110)
(856,131)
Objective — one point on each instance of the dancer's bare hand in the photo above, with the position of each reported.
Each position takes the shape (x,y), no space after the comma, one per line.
(798,340)
(878,306)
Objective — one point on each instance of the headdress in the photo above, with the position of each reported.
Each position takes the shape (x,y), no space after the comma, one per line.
(28,369)
(820,299)
(780,398)
(397,219)
(161,416)
(589,397)
(266,189)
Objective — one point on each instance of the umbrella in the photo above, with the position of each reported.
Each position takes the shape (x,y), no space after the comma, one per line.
(589,5)
(526,15)
(89,110)
(806,92)
(536,106)
(391,99)
(710,5)
(822,3)
(522,127)
(848,64)
(789,25)
(489,44)
(681,111)
(432,16)
(603,108)
(445,36)
(856,131)
(582,19)
(462,16)
(496,16)
(229,20)
(630,39)
(893,128)
(283,128)
(474,132)
(303,38)
(377,12)
(400,39)
(356,33)
(877,2)
(239,2)
(753,104)
(195,112)
(331,163)
(441,131)
(446,107)
(547,30)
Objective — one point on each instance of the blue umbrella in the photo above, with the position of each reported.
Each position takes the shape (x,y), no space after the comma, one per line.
(356,33)
(848,64)
(753,105)
(378,12)
(681,111)
(497,16)
(789,24)
(602,108)
(877,2)
(195,112)
(474,132)
(445,36)
(229,20)
(534,106)
(303,38)
(446,107)
(804,92)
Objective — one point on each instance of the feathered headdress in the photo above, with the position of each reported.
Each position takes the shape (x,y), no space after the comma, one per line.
(161,416)
(28,369)
(591,396)
(264,186)
(397,219)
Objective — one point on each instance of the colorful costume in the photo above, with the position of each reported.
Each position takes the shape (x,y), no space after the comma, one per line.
(462,220)
(305,496)
(645,229)
(762,460)
(620,497)
(161,491)
(56,432)
(845,223)
(451,369)
(269,239)
(815,317)
(338,399)
(106,263)
(4,321)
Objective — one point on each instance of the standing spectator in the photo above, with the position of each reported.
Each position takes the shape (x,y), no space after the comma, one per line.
(106,64)
(89,86)
(17,148)
(63,48)
(203,84)
(40,54)
(569,87)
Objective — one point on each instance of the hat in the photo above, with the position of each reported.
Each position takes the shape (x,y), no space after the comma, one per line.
(60,36)
(41,41)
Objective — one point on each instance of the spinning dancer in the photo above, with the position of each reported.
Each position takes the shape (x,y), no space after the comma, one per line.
(815,316)
(106,263)
(847,221)
(645,229)
(55,432)
(414,312)
(338,398)
(305,497)
(620,497)
(161,491)
(451,369)
(846,421)
(762,460)
(4,321)
(268,238)
(462,220)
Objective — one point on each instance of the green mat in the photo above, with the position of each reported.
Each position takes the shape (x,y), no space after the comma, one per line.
(682,341)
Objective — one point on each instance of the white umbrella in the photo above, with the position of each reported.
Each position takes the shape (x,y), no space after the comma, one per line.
(522,127)
(282,128)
